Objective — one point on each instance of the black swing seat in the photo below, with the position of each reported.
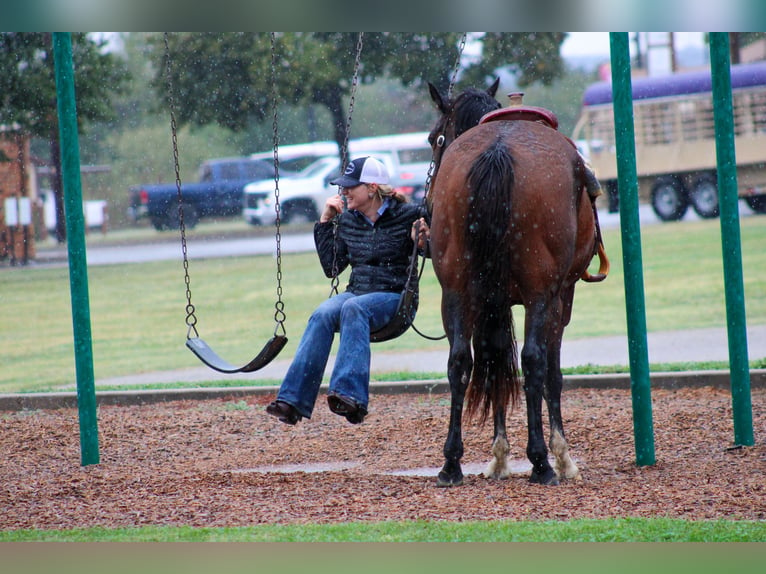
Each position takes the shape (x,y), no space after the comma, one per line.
(408,305)
(402,319)
(214,361)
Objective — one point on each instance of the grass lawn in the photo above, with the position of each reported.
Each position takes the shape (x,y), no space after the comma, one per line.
(610,530)
(138,314)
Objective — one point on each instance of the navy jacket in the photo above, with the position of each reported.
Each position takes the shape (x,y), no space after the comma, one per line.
(378,254)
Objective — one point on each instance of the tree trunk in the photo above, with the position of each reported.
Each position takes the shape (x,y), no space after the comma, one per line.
(57,187)
(332,99)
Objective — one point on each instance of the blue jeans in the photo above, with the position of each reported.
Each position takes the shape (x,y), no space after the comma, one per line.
(354,316)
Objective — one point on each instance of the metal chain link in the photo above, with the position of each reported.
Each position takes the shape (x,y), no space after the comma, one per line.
(453,80)
(456,68)
(279,306)
(191,318)
(344,160)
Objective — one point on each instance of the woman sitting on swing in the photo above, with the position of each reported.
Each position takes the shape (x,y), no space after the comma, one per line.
(375,235)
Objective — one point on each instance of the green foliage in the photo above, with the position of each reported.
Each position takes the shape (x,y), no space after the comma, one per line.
(29,88)
(222,94)
(531,56)
(224,78)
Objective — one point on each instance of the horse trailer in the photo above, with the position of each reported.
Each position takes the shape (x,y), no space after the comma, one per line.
(675,139)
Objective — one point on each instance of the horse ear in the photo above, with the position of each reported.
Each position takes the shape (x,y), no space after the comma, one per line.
(437,98)
(492,90)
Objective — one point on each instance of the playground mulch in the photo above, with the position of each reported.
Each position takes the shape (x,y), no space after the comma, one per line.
(227,463)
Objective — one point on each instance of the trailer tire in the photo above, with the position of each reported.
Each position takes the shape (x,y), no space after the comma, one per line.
(669,198)
(757,203)
(704,196)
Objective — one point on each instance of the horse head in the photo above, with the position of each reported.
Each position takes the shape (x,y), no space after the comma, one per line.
(458,115)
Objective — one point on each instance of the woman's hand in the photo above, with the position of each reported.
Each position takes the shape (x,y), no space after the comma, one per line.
(420,233)
(332,207)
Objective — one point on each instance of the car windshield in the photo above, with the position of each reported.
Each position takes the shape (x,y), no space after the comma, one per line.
(318,166)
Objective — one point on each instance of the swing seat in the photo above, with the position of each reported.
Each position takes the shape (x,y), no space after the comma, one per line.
(402,319)
(214,361)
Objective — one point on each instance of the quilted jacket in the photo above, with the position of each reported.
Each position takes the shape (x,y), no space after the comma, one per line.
(378,254)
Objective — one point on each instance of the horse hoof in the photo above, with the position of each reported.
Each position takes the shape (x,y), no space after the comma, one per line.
(445,480)
(548,478)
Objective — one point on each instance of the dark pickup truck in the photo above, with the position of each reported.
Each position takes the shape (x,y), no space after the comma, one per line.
(218,193)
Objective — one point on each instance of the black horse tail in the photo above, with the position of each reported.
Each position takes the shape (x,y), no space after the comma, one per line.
(495,378)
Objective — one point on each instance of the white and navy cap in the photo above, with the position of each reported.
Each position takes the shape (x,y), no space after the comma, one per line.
(363,170)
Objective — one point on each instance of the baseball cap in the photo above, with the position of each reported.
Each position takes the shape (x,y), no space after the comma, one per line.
(363,170)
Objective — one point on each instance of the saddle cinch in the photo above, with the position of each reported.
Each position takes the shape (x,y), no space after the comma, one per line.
(516,110)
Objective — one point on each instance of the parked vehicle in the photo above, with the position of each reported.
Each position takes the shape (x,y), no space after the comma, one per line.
(297,157)
(412,156)
(301,197)
(218,193)
(407,156)
(675,139)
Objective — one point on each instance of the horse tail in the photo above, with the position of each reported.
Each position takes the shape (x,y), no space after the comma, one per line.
(495,378)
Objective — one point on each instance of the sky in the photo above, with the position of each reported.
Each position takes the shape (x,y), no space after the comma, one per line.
(597,43)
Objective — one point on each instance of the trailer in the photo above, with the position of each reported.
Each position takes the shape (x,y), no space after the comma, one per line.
(675,139)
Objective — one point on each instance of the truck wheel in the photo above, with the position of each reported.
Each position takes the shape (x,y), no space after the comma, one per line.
(757,203)
(669,199)
(704,196)
(159,223)
(299,212)
(191,216)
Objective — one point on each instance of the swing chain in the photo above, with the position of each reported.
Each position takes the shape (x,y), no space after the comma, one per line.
(344,160)
(352,97)
(191,317)
(279,307)
(456,68)
(453,80)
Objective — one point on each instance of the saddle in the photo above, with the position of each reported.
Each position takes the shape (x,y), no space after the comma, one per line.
(517,111)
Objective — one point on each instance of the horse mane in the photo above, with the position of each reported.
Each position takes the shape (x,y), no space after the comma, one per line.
(470,106)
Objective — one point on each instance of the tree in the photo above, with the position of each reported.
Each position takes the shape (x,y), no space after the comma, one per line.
(530,56)
(28,88)
(226,77)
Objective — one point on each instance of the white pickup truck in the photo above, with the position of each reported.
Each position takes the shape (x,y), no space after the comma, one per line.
(302,195)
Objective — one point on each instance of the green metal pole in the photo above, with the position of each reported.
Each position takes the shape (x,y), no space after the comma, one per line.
(78,268)
(643,427)
(730,238)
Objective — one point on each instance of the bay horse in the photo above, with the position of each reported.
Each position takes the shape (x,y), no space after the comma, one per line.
(511,224)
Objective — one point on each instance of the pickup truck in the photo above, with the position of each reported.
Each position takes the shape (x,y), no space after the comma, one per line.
(218,193)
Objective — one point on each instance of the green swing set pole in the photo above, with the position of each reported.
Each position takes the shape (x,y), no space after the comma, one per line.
(75,225)
(643,427)
(730,238)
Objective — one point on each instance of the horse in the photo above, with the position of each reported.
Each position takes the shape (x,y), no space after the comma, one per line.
(511,224)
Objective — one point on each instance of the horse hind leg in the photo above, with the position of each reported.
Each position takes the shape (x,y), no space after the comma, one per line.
(534,363)
(498,468)
(564,466)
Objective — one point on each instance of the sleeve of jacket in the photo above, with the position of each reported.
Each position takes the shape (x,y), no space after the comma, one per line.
(324,240)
